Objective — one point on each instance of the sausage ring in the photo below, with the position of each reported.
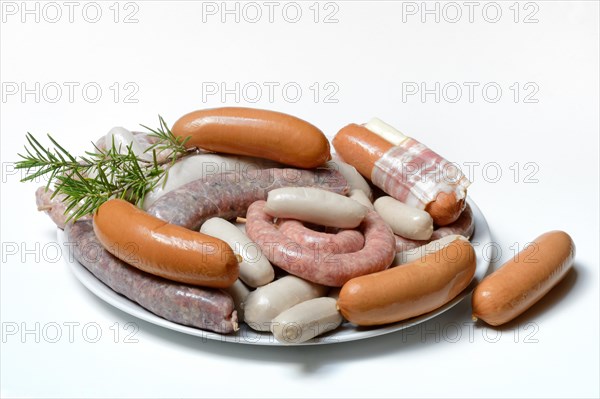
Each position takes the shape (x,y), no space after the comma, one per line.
(327,269)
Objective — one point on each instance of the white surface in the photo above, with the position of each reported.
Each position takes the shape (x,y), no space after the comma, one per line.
(368,54)
(345,333)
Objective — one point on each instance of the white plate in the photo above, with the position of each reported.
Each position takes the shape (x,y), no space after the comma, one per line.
(346,332)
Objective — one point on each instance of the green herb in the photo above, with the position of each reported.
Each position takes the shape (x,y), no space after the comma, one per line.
(90,180)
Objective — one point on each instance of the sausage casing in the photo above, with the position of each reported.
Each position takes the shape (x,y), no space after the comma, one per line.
(409,290)
(525,279)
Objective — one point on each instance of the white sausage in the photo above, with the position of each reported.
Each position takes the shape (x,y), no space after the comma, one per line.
(306,320)
(360,197)
(385,131)
(266,302)
(255,268)
(200,166)
(405,220)
(355,179)
(238,292)
(411,255)
(122,139)
(315,205)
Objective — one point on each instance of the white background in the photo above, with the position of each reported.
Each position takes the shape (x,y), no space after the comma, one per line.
(371,55)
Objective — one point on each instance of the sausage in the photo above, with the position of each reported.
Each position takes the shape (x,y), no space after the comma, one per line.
(316,206)
(322,268)
(524,280)
(54,207)
(409,290)
(424,250)
(201,166)
(464,226)
(228,195)
(342,242)
(409,171)
(355,180)
(265,303)
(360,197)
(306,320)
(406,221)
(238,292)
(163,249)
(205,308)
(257,133)
(255,269)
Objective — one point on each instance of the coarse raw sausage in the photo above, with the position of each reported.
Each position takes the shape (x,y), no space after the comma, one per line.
(229,195)
(201,166)
(164,249)
(342,242)
(205,308)
(525,279)
(408,171)
(322,268)
(54,207)
(409,290)
(257,133)
(315,205)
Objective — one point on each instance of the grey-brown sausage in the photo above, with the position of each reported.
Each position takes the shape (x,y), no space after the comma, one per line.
(205,308)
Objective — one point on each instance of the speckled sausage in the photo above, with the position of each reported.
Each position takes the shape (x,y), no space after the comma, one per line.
(54,207)
(343,242)
(205,308)
(229,195)
(322,268)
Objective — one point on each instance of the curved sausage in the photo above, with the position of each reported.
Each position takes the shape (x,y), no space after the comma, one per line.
(406,221)
(205,308)
(306,320)
(409,290)
(322,268)
(405,171)
(163,249)
(315,205)
(524,280)
(342,242)
(229,195)
(201,166)
(265,303)
(255,132)
(255,269)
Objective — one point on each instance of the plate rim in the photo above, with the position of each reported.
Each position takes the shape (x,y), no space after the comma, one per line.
(347,333)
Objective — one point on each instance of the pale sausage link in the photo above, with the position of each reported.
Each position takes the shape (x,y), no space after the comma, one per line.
(464,226)
(322,268)
(204,308)
(228,195)
(342,242)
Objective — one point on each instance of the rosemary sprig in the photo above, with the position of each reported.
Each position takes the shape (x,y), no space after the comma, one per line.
(90,180)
